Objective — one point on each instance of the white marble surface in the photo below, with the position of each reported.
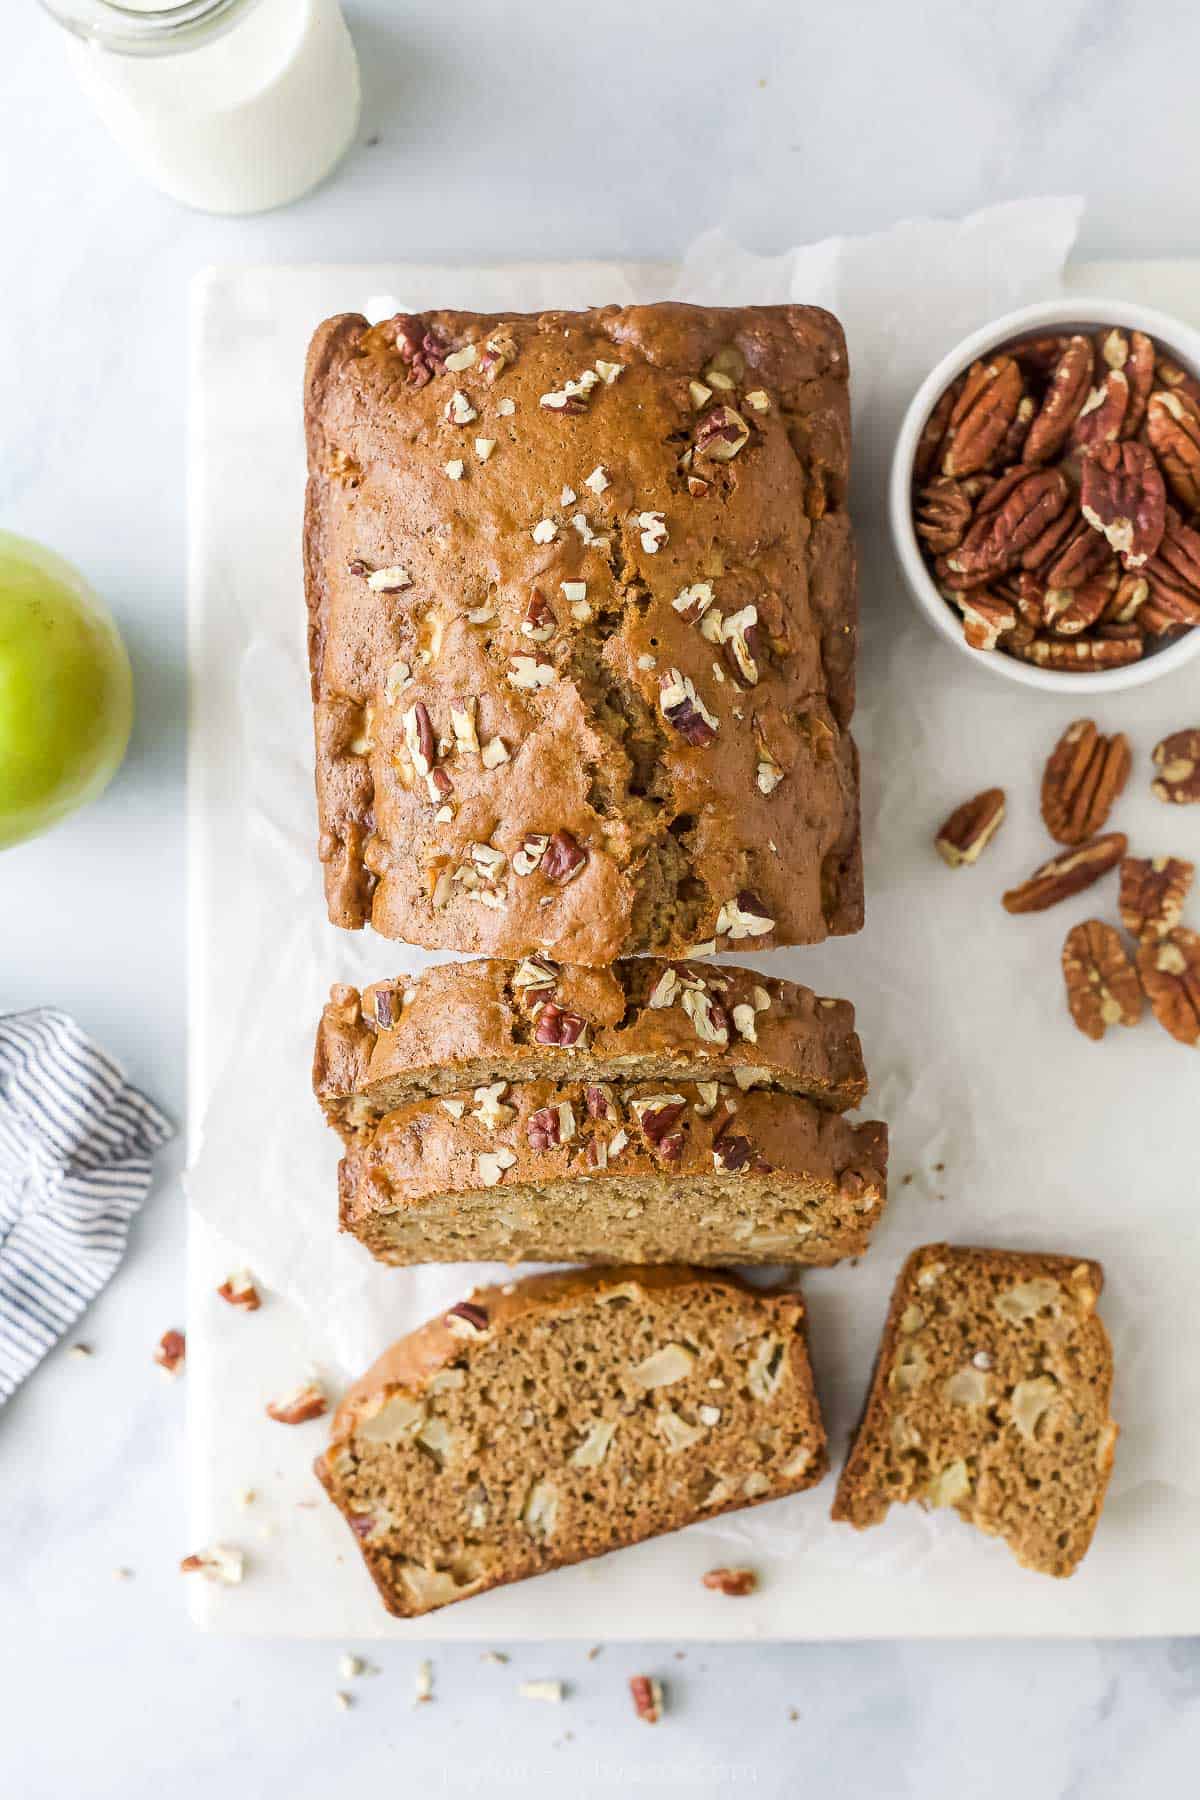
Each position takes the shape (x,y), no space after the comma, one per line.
(536,130)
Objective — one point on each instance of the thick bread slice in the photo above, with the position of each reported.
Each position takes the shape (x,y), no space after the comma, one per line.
(565,1172)
(991,1395)
(559,1417)
(461,1025)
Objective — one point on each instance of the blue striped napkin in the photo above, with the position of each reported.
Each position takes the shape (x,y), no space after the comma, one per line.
(75,1149)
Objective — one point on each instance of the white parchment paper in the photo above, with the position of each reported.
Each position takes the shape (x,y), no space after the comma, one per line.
(1007,1126)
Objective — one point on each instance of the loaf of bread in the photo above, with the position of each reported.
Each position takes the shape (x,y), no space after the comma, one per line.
(544,1171)
(560,1417)
(991,1395)
(459,1026)
(582,626)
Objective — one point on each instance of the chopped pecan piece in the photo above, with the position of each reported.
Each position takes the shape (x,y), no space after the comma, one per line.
(737,1583)
(721,433)
(647,1696)
(1153,890)
(307,1402)
(1177,759)
(683,708)
(731,1153)
(1084,775)
(970,828)
(1102,984)
(1064,398)
(557,1026)
(1067,874)
(1122,495)
(1170,970)
(171,1352)
(982,415)
(563,858)
(466,1320)
(239,1290)
(657,1116)
(1173,428)
(422,351)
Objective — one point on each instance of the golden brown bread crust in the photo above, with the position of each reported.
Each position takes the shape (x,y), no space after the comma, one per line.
(673,830)
(460,1024)
(776,1180)
(409,1366)
(999,1350)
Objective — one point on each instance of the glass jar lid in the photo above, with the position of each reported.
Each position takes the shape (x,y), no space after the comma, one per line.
(147,27)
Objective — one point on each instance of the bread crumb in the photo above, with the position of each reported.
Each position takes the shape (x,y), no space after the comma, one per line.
(343,1701)
(492,1656)
(424,1683)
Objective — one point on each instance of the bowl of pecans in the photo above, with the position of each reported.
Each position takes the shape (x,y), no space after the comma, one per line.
(1045,495)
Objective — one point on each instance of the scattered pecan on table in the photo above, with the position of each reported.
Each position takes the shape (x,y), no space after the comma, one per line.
(1056,498)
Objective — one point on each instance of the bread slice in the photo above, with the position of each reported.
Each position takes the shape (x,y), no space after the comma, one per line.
(991,1395)
(559,1417)
(545,1171)
(459,1026)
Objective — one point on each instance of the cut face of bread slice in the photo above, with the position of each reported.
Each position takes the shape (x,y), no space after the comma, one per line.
(560,1417)
(459,1026)
(991,1395)
(545,1171)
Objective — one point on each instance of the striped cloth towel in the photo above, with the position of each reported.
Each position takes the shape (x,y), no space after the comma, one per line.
(75,1148)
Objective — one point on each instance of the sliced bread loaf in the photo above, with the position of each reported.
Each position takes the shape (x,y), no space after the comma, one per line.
(547,1171)
(459,1026)
(560,1417)
(991,1395)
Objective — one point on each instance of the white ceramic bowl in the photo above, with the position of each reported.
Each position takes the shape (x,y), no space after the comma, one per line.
(1180,341)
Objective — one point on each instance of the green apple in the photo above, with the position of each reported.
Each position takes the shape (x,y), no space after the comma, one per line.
(66,691)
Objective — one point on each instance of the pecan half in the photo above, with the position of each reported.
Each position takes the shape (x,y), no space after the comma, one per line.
(1064,398)
(1102,983)
(1013,514)
(1169,375)
(1130,593)
(1153,890)
(1102,415)
(1070,610)
(1173,428)
(970,828)
(928,453)
(942,513)
(985,617)
(1122,495)
(1079,556)
(1067,874)
(982,415)
(1170,970)
(1177,759)
(1083,776)
(1133,353)
(1173,575)
(1072,656)
(735,1582)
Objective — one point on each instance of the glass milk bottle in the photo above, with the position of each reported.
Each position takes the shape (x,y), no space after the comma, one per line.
(232,106)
